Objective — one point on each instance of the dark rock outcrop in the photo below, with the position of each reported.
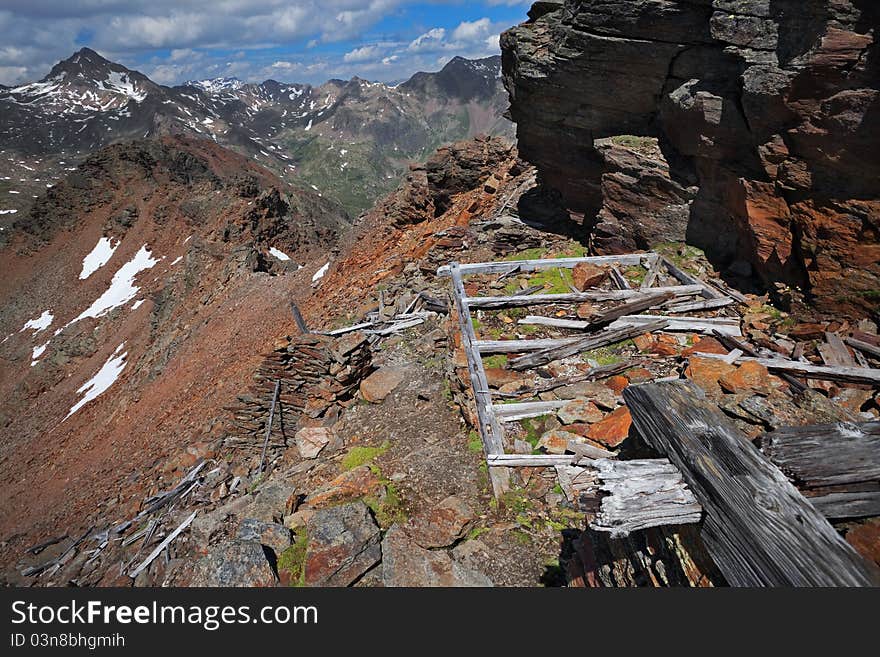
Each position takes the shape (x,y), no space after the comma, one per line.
(772,106)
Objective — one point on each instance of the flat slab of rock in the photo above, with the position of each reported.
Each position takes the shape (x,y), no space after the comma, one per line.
(406,564)
(349,485)
(235,563)
(614,429)
(579,410)
(343,544)
(381,383)
(442,525)
(598,393)
(310,441)
(586,275)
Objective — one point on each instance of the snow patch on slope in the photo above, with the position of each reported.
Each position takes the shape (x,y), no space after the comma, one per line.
(40,323)
(105,378)
(122,288)
(279,254)
(98,257)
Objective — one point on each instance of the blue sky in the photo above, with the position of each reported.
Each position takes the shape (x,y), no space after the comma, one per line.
(288,40)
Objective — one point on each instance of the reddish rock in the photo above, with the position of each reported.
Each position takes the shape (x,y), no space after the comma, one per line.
(639,375)
(348,486)
(586,275)
(614,429)
(585,310)
(381,383)
(442,525)
(556,441)
(705,372)
(748,376)
(343,544)
(706,346)
(644,341)
(498,376)
(807,332)
(617,383)
(865,539)
(311,440)
(579,410)
(663,349)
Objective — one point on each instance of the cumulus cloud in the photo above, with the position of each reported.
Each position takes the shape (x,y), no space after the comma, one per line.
(362,54)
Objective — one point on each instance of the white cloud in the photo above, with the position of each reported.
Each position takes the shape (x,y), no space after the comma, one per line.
(362,54)
(428,41)
(473,31)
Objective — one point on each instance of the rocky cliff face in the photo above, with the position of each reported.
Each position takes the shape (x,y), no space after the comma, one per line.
(770,106)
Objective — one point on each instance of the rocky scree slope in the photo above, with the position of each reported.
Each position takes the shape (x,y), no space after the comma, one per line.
(770,107)
(124,298)
(350,139)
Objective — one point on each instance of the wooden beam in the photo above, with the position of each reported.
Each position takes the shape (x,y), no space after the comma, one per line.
(758,528)
(653,271)
(155,553)
(826,454)
(618,279)
(834,352)
(500,267)
(594,341)
(579,297)
(269,423)
(708,304)
(848,505)
(867,348)
(533,460)
(514,412)
(521,346)
(708,291)
(490,429)
(708,325)
(642,493)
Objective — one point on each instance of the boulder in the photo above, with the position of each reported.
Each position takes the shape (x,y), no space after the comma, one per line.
(612,430)
(349,485)
(404,563)
(311,440)
(442,525)
(579,410)
(601,395)
(556,441)
(586,275)
(269,534)
(234,563)
(343,544)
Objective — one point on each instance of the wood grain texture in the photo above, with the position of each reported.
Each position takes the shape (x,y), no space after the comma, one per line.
(826,454)
(642,493)
(515,301)
(758,528)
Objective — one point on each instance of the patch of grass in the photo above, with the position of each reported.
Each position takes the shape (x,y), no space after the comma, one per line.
(476,532)
(293,560)
(529,254)
(602,355)
(554,281)
(475,443)
(634,142)
(522,537)
(447,391)
(575,251)
(517,501)
(634,274)
(532,436)
(497,360)
(557,489)
(387,508)
(256,483)
(358,456)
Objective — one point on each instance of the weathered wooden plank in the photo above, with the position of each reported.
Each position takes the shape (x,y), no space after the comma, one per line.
(521,346)
(848,505)
(514,412)
(733,344)
(834,352)
(499,267)
(758,528)
(708,304)
(708,291)
(865,347)
(642,493)
(653,270)
(155,553)
(269,423)
(533,460)
(619,280)
(490,429)
(555,322)
(826,454)
(630,308)
(594,341)
(724,288)
(708,325)
(578,297)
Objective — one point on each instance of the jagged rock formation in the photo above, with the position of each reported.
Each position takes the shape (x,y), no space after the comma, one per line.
(771,106)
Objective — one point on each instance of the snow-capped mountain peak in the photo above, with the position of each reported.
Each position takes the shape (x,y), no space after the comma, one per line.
(215,85)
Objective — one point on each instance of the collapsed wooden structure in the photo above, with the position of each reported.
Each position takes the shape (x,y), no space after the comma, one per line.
(759,529)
